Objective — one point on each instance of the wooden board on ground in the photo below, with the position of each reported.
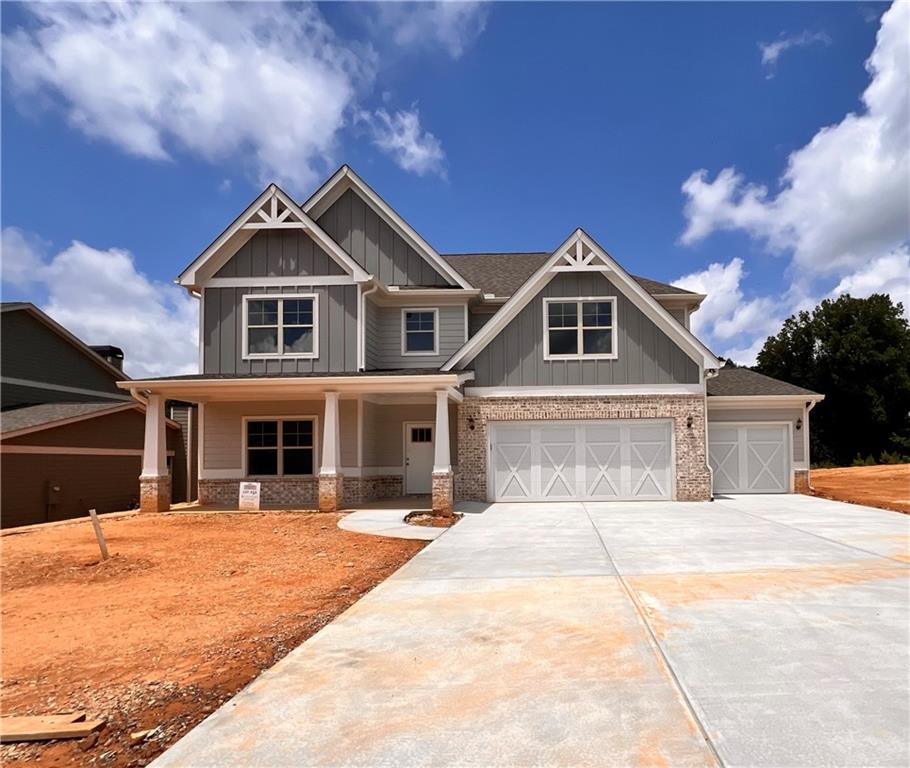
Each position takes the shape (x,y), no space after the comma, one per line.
(46,727)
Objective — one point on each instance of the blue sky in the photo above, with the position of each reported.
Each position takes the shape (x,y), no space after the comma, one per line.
(132,135)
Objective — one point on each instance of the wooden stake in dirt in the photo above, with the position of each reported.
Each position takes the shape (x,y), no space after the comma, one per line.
(99,534)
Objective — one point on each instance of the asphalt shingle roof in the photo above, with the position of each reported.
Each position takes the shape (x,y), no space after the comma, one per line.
(504,273)
(739,382)
(48,413)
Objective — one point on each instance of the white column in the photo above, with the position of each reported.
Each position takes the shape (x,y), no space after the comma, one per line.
(154,454)
(331,445)
(441,459)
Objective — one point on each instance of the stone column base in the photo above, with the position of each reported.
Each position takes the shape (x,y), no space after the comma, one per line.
(801,481)
(443,493)
(331,492)
(155,494)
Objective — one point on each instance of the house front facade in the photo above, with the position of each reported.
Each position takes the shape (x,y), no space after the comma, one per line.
(343,359)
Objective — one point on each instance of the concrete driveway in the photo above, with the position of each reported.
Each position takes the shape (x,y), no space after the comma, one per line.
(752,631)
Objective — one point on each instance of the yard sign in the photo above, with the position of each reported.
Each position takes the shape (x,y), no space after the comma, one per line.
(249,496)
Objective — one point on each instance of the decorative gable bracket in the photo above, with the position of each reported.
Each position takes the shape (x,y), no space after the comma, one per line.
(578,257)
(274,214)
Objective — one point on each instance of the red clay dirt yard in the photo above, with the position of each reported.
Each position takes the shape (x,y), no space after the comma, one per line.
(188,610)
(886,486)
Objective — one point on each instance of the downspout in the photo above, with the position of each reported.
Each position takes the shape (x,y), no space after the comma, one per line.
(709,374)
(809,406)
(362,327)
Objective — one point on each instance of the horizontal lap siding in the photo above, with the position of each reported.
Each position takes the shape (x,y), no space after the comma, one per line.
(383,431)
(337,329)
(373,244)
(790,415)
(646,355)
(385,350)
(280,253)
(223,429)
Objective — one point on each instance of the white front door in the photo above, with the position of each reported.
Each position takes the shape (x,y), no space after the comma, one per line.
(418,457)
(750,458)
(609,459)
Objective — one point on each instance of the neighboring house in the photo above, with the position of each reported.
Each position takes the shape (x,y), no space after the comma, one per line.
(70,439)
(342,359)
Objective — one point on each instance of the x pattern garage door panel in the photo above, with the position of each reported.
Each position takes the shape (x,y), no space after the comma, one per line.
(750,459)
(599,460)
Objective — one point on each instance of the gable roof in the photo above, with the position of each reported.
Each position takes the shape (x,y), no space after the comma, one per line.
(272,209)
(344,179)
(580,252)
(744,382)
(48,321)
(501,274)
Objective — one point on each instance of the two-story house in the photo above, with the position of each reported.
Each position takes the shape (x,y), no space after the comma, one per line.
(343,359)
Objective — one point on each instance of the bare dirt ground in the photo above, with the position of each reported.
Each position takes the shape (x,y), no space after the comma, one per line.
(886,486)
(189,609)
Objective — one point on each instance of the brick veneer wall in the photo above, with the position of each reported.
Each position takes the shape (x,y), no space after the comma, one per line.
(301,493)
(693,480)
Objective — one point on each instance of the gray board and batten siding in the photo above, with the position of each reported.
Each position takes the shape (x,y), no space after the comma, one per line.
(646,355)
(280,253)
(375,245)
(336,327)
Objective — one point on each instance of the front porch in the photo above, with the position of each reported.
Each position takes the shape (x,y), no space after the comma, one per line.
(310,442)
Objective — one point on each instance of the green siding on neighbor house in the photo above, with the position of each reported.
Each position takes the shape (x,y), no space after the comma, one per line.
(646,355)
(373,244)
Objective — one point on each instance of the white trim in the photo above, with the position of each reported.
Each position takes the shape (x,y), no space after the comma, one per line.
(62,388)
(791,462)
(279,355)
(345,178)
(605,390)
(627,284)
(236,235)
(189,452)
(580,327)
(73,450)
(761,401)
(359,430)
(272,282)
(279,419)
(466,323)
(404,345)
(201,330)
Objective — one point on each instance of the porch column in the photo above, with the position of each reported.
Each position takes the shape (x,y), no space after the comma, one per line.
(443,481)
(331,482)
(154,482)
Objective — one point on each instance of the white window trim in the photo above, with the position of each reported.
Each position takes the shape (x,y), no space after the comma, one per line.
(247,355)
(404,337)
(580,355)
(269,417)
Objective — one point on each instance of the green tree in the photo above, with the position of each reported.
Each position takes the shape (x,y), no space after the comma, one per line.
(857,353)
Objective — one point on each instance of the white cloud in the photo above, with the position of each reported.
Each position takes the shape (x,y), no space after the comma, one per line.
(102,298)
(842,210)
(771,52)
(400,135)
(453,25)
(845,197)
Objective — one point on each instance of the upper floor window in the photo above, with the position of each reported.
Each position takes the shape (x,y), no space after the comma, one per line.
(582,328)
(419,331)
(280,326)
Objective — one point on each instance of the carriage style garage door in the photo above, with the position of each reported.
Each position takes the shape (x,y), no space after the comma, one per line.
(750,458)
(596,460)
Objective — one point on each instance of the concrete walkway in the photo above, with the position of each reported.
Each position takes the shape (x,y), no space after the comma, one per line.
(763,631)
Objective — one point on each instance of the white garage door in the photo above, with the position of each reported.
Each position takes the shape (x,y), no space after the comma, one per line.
(750,458)
(564,460)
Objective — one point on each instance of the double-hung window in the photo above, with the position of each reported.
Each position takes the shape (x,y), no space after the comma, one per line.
(276,447)
(576,329)
(280,326)
(419,331)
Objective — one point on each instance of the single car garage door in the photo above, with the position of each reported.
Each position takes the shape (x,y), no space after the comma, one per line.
(750,458)
(573,460)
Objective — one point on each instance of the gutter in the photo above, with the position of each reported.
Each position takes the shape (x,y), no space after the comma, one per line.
(710,373)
